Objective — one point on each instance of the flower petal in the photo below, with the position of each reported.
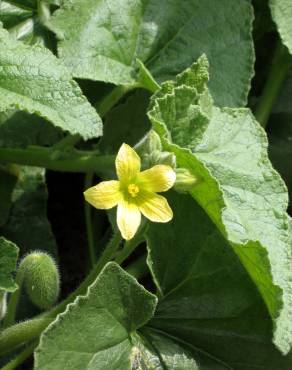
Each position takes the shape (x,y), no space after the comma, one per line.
(156,179)
(127,163)
(128,219)
(155,207)
(104,195)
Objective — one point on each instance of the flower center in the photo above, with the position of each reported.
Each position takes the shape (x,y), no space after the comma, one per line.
(133,190)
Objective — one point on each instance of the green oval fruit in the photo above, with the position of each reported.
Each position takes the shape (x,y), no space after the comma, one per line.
(41,279)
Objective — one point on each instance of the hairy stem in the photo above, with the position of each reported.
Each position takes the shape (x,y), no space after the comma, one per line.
(281,64)
(16,335)
(78,161)
(21,357)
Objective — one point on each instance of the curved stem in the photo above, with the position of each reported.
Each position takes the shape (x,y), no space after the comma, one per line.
(112,98)
(88,221)
(42,157)
(21,357)
(13,300)
(281,64)
(16,335)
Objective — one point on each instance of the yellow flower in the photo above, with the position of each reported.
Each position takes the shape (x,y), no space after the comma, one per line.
(134,192)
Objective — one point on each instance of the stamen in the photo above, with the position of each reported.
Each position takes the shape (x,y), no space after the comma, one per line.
(133,190)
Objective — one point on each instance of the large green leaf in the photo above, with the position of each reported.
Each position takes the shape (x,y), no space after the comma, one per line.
(238,187)
(32,79)
(207,299)
(103,40)
(8,259)
(282,15)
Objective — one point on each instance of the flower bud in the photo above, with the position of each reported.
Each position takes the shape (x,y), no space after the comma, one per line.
(150,151)
(40,278)
(185,180)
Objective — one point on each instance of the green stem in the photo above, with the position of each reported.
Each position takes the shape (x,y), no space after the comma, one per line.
(69,141)
(21,333)
(21,357)
(88,221)
(16,335)
(130,246)
(42,157)
(281,64)
(138,268)
(44,12)
(13,300)
(112,98)
(106,256)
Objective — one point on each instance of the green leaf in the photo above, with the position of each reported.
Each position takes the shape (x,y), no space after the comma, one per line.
(238,187)
(7,182)
(208,302)
(103,40)
(11,15)
(28,225)
(280,134)
(282,16)
(19,129)
(8,259)
(99,331)
(33,80)
(127,123)
(98,326)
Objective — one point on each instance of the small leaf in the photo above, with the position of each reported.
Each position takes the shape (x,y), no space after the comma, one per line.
(8,259)
(98,327)
(32,79)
